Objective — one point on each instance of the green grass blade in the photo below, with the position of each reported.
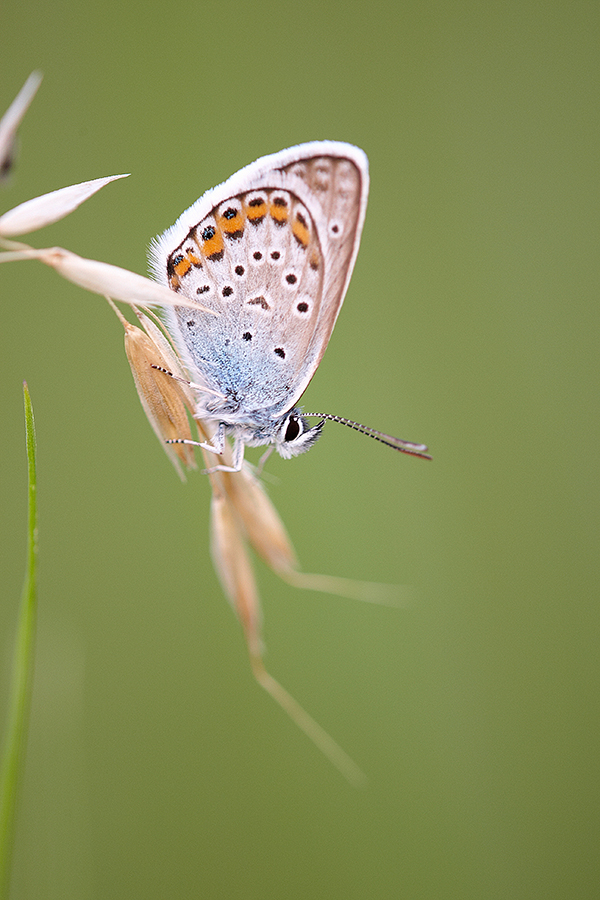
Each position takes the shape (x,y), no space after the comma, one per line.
(22,674)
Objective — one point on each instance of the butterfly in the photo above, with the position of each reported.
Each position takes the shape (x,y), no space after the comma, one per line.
(269,255)
(264,261)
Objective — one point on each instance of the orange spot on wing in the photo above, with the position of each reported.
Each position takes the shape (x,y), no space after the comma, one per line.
(256,211)
(193,259)
(301,233)
(183,267)
(232,225)
(213,245)
(279,214)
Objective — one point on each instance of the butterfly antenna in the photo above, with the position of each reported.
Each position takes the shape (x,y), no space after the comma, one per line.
(387,439)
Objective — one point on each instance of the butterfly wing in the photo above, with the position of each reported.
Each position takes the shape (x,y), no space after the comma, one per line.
(271,250)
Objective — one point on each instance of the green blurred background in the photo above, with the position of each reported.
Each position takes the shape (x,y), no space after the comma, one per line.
(156,767)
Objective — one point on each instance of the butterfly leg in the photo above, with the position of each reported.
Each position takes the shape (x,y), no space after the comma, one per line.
(218,445)
(263,459)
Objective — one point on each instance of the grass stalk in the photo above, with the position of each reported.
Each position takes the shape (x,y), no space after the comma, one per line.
(15,740)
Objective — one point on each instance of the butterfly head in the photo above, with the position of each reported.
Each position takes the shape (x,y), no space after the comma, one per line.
(294,436)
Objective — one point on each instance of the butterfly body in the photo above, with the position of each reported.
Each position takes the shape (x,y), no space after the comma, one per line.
(270,252)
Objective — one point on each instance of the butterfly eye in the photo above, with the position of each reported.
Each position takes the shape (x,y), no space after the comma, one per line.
(293,429)
(294,436)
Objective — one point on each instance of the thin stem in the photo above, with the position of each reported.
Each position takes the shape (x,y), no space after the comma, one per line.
(326,744)
(22,673)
